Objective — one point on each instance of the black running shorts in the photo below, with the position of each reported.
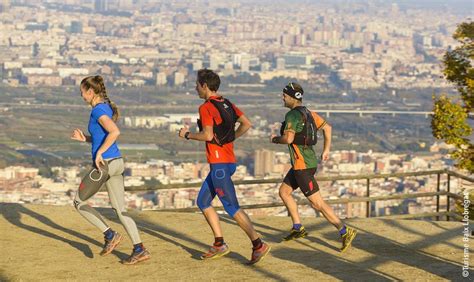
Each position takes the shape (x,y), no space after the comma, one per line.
(304,179)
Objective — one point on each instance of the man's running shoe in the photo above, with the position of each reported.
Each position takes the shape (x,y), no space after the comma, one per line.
(216,252)
(347,238)
(260,253)
(137,257)
(295,234)
(110,245)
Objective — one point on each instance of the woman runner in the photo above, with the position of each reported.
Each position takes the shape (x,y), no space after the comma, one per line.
(107,169)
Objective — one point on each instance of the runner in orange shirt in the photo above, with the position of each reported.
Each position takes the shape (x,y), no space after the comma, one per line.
(217,128)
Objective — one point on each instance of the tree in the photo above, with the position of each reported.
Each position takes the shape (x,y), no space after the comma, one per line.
(450,121)
(461,205)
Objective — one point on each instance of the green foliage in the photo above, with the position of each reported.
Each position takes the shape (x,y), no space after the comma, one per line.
(153,182)
(45,171)
(458,68)
(450,121)
(460,205)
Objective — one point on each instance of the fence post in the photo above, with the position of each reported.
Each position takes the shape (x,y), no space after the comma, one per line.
(437,196)
(368,195)
(448,198)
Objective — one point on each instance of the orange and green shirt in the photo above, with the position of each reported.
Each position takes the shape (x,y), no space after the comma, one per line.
(302,157)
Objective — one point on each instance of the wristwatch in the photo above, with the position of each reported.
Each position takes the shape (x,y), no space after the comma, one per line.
(186,135)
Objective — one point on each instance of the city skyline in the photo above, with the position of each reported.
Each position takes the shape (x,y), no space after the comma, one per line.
(373,46)
(364,46)
(383,78)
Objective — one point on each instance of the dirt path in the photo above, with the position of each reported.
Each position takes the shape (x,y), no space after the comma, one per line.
(50,242)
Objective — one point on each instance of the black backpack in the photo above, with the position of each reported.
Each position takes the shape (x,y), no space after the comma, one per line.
(308,135)
(225,131)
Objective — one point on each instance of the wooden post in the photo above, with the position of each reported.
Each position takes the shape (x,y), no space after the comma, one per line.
(437,196)
(368,195)
(448,198)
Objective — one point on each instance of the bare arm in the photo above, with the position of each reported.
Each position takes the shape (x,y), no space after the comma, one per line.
(113,133)
(207,134)
(78,135)
(244,126)
(287,138)
(327,130)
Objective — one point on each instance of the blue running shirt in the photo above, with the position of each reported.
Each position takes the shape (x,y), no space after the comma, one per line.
(98,133)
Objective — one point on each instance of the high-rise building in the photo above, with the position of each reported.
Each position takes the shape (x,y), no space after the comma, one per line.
(427,41)
(197,65)
(395,9)
(4,6)
(178,78)
(245,64)
(287,39)
(76,27)
(101,5)
(265,66)
(228,66)
(263,164)
(280,64)
(161,78)
(300,40)
(237,59)
(35,49)
(296,59)
(125,4)
(214,61)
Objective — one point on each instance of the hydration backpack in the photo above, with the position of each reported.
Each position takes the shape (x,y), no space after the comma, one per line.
(225,131)
(307,136)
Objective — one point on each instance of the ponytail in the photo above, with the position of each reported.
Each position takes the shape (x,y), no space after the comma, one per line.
(115,109)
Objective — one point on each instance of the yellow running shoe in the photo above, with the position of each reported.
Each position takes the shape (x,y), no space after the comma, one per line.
(347,238)
(295,234)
